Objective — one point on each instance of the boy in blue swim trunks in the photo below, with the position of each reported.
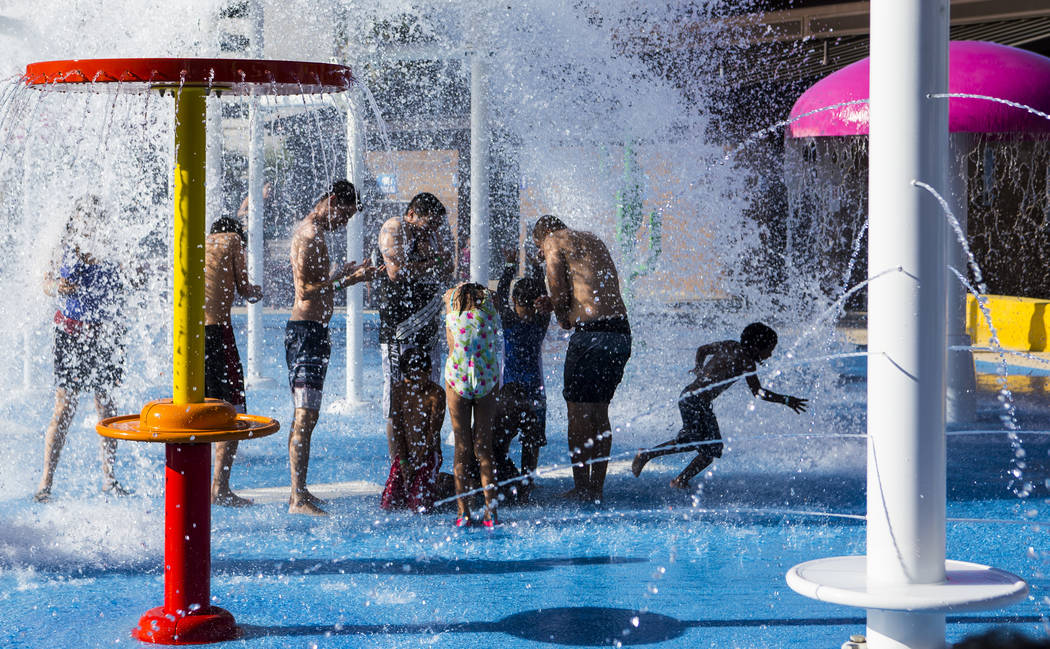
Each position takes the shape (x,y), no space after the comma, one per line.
(718,365)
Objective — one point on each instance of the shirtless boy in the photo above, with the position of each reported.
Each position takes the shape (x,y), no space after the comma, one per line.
(225,273)
(585,293)
(718,366)
(414,481)
(306,341)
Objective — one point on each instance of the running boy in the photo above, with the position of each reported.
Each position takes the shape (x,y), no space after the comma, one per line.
(718,365)
(525,310)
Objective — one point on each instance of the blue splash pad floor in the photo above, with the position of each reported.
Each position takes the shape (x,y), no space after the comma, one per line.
(650,567)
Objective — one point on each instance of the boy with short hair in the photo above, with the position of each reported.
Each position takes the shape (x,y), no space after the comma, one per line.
(718,365)
(225,275)
(307,344)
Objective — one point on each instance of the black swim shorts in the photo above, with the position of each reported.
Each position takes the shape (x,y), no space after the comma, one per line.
(223,373)
(307,348)
(523,411)
(91,358)
(699,425)
(594,363)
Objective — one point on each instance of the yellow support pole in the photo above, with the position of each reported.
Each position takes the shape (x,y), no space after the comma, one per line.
(188,357)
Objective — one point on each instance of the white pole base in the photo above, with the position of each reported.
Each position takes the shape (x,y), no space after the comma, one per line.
(260,382)
(345,406)
(967,587)
(894,630)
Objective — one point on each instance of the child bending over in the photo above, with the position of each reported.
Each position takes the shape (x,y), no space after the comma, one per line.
(472,374)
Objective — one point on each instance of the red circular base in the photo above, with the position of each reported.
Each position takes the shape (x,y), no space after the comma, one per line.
(208,624)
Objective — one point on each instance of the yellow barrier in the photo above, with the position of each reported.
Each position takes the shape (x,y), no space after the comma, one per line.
(1020,322)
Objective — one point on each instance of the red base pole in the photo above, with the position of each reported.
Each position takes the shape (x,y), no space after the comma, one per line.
(187,616)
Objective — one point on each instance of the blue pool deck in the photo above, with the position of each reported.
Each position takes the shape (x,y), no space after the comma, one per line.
(649,567)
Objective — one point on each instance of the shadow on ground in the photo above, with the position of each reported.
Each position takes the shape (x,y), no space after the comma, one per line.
(584,626)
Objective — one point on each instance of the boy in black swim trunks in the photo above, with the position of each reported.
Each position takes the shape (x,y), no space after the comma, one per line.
(585,294)
(225,275)
(90,286)
(718,365)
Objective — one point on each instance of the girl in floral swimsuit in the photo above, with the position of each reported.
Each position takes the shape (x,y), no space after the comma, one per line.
(472,373)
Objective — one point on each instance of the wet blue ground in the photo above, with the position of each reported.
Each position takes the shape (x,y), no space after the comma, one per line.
(649,567)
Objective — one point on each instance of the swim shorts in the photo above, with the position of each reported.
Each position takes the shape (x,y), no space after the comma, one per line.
(523,410)
(699,425)
(223,374)
(88,358)
(594,363)
(306,349)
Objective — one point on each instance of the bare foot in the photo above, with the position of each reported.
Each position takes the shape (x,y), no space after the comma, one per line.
(42,496)
(304,506)
(680,484)
(313,500)
(229,499)
(639,463)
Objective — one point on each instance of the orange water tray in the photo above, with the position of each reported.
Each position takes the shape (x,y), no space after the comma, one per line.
(167,422)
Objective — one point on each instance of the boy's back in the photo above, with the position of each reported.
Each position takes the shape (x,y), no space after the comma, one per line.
(718,365)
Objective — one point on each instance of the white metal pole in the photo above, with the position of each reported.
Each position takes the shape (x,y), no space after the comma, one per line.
(27,358)
(906,314)
(480,244)
(256,242)
(28,353)
(213,172)
(355,301)
(962,379)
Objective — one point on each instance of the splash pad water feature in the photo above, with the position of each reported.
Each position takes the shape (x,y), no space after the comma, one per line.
(188,423)
(652,569)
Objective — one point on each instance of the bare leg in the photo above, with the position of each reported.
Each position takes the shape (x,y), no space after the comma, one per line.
(108,448)
(579,449)
(484,412)
(391,439)
(301,500)
(534,428)
(643,457)
(699,463)
(221,494)
(459,412)
(530,459)
(54,439)
(602,431)
(503,431)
